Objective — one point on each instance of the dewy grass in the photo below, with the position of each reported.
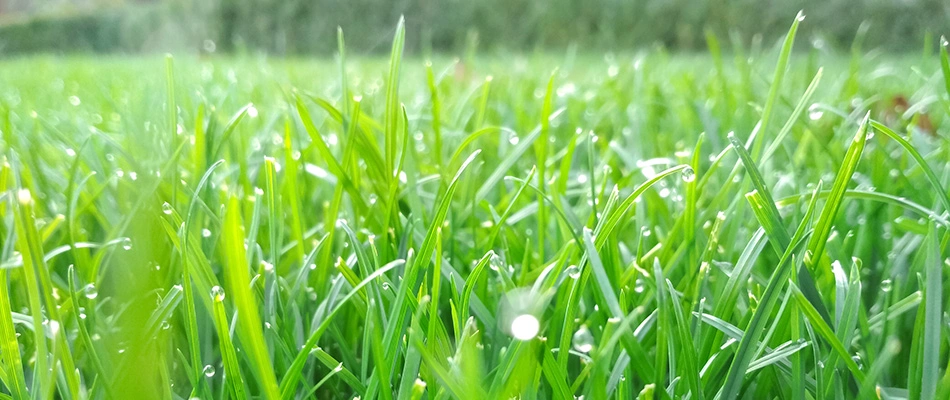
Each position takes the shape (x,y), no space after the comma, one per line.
(503,227)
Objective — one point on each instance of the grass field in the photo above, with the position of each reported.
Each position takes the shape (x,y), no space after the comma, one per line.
(762,223)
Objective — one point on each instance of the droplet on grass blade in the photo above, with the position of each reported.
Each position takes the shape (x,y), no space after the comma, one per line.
(90,291)
(886,285)
(167,208)
(525,327)
(24,197)
(583,340)
(689,175)
(814,112)
(573,271)
(208,370)
(126,244)
(217,293)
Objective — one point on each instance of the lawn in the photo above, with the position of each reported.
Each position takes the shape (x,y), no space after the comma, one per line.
(762,222)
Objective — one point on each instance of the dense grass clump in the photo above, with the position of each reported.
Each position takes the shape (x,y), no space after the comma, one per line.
(638,225)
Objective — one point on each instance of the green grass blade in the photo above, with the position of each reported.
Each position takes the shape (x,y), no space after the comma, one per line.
(816,244)
(933,316)
(239,286)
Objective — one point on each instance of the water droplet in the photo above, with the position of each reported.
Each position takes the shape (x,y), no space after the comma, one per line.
(573,271)
(70,152)
(206,232)
(814,112)
(166,326)
(583,340)
(638,286)
(525,327)
(90,291)
(53,326)
(167,208)
(338,368)
(886,285)
(126,244)
(74,100)
(495,263)
(24,197)
(857,360)
(217,293)
(208,370)
(268,267)
(801,16)
(689,174)
(513,139)
(582,178)
(385,285)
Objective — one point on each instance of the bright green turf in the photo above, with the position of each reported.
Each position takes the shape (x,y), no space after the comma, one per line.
(393,229)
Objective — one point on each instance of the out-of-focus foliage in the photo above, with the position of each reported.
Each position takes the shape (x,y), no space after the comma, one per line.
(308,26)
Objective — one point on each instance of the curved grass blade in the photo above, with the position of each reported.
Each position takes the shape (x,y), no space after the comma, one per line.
(816,244)
(753,331)
(245,302)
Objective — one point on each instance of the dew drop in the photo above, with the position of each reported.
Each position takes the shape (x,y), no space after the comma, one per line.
(525,327)
(689,174)
(638,286)
(573,271)
(208,370)
(495,263)
(206,232)
(90,291)
(583,341)
(886,285)
(217,293)
(24,197)
(857,360)
(166,326)
(167,208)
(814,112)
(126,244)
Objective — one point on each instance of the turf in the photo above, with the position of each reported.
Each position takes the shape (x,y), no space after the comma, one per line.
(765,223)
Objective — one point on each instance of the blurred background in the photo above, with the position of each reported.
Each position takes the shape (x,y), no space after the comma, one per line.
(308,27)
